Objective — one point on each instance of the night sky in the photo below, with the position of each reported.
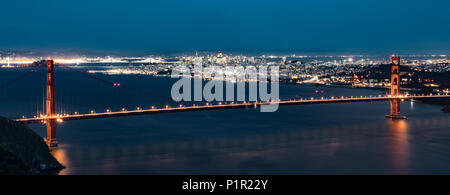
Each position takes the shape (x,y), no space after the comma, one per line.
(169,25)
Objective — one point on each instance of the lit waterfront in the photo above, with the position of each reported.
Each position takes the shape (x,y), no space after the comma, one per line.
(342,70)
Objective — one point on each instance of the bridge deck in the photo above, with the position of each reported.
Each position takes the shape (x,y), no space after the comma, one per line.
(218,107)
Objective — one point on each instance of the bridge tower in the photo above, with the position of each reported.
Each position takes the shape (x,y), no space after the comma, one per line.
(50,105)
(395,89)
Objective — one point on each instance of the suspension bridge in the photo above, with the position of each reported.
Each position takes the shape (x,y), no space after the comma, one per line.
(52,118)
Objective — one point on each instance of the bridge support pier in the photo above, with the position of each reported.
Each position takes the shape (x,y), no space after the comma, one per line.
(395,90)
(395,110)
(50,105)
(51,133)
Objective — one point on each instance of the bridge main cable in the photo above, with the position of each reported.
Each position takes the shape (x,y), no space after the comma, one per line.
(7,83)
(139,91)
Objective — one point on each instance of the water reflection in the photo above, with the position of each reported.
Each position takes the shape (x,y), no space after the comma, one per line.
(61,156)
(375,148)
(399,143)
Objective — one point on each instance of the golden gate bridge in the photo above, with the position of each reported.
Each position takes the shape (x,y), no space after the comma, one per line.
(51,117)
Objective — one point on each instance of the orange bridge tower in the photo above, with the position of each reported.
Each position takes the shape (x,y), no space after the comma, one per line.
(395,90)
(50,105)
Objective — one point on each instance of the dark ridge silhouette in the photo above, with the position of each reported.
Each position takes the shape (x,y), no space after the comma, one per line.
(22,151)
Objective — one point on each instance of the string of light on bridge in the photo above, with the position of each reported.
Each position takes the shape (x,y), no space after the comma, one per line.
(208,105)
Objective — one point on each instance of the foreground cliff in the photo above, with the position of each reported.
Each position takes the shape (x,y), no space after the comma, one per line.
(22,151)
